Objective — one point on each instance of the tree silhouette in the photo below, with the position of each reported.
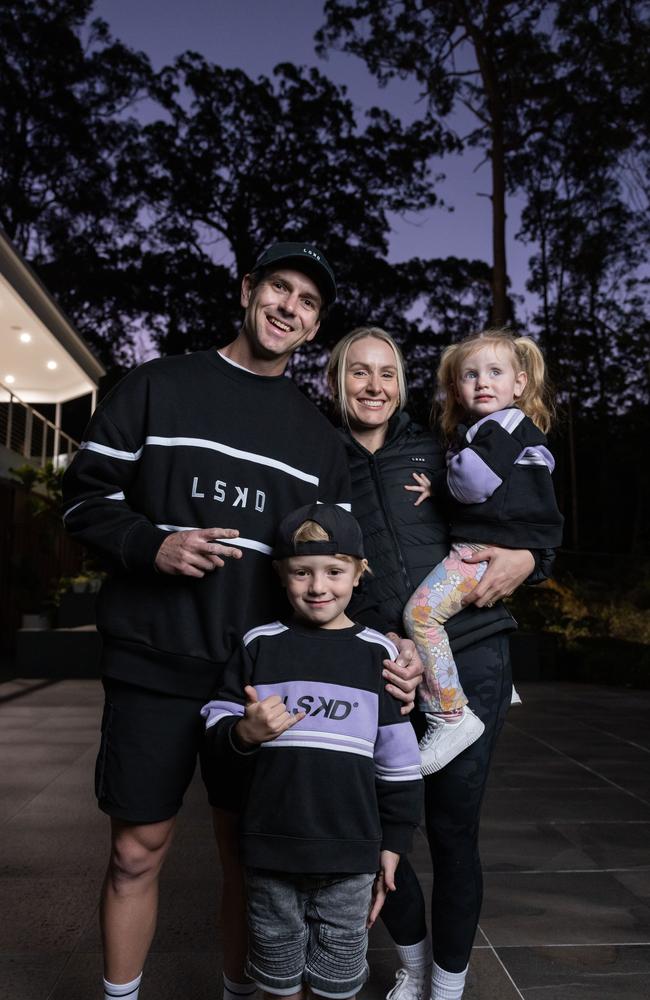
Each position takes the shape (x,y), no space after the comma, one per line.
(66,89)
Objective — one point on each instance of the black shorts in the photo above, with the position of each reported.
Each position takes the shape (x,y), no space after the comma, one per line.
(149,744)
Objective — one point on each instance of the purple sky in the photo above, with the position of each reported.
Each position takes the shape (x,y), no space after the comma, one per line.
(256,35)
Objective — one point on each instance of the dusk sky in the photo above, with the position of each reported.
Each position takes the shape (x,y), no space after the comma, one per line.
(256,35)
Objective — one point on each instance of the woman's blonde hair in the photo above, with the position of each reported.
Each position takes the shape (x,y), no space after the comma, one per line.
(311,531)
(535,400)
(337,365)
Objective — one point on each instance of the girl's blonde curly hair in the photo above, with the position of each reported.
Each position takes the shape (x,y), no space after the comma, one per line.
(535,400)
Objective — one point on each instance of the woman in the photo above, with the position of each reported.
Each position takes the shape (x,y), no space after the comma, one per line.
(403,540)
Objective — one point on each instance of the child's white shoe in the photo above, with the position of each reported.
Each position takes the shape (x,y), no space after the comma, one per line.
(410,987)
(442,741)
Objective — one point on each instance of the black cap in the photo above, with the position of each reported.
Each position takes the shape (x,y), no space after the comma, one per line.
(303,257)
(343,529)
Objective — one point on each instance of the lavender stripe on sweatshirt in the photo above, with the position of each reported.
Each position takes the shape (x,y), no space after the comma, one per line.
(330,707)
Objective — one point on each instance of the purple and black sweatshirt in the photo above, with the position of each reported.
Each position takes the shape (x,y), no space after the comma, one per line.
(343,783)
(499,477)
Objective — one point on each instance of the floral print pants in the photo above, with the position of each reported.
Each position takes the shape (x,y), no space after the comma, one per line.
(438,597)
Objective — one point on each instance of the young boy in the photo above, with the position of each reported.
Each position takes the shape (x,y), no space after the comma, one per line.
(335,790)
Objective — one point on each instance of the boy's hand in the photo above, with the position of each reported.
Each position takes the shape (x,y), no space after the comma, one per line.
(403,674)
(384,883)
(507,568)
(423,487)
(263,720)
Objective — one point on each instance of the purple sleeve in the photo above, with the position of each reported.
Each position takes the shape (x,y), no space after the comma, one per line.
(489,451)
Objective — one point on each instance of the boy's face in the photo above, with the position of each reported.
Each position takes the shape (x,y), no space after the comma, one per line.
(319,588)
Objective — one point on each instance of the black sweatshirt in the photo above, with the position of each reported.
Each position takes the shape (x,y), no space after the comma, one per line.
(193,442)
(404,542)
(345,781)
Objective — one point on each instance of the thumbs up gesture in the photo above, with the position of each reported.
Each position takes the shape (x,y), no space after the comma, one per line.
(263,720)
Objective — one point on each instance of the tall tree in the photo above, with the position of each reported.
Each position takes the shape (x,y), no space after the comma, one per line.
(66,87)
(484,57)
(587,186)
(236,163)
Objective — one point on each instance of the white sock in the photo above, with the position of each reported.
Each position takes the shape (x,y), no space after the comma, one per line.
(447,985)
(416,958)
(235,991)
(128,990)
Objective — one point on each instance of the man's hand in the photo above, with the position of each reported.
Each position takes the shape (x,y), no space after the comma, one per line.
(507,569)
(384,883)
(196,552)
(263,720)
(403,674)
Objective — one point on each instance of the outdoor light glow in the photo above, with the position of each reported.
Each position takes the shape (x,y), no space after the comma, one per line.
(25,338)
(9,379)
(52,365)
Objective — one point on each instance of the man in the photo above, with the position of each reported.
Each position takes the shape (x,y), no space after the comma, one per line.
(181,444)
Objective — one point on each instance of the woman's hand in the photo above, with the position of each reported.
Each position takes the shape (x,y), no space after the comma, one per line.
(423,487)
(403,674)
(507,569)
(384,883)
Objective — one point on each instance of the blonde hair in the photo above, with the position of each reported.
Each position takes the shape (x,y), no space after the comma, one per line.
(535,400)
(311,531)
(338,361)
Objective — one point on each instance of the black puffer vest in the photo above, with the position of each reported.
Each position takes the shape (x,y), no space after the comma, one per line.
(404,542)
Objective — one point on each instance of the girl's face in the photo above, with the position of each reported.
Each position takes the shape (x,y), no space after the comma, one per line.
(488,381)
(371,387)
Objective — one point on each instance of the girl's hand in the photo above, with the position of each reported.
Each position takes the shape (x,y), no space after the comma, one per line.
(384,883)
(423,487)
(507,569)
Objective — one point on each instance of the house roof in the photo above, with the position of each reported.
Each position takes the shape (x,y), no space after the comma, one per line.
(42,357)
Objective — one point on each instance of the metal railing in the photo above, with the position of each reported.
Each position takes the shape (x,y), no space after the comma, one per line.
(27,432)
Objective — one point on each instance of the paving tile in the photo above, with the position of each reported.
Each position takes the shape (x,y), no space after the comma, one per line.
(30,976)
(638,883)
(580,973)
(506,847)
(33,849)
(551,771)
(36,754)
(566,908)
(563,805)
(611,845)
(45,915)
(544,813)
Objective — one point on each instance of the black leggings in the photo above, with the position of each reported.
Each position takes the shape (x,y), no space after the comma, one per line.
(452,803)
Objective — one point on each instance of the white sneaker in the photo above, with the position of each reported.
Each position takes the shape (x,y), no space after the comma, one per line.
(442,741)
(409,986)
(514,697)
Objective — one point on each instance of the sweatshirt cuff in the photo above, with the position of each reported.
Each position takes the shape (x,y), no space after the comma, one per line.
(141,546)
(397,837)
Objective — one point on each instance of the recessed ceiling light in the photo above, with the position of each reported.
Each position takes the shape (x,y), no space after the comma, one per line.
(52,365)
(25,338)
(9,379)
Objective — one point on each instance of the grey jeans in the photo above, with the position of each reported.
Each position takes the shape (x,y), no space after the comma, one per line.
(308,929)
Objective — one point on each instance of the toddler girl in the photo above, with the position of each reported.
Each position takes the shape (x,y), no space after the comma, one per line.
(495,411)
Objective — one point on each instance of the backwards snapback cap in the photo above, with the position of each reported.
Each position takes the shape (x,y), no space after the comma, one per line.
(344,533)
(303,257)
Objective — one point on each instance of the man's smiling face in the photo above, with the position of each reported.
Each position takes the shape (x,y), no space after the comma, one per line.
(282,312)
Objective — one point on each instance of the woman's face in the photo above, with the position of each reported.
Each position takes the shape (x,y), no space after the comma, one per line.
(371,386)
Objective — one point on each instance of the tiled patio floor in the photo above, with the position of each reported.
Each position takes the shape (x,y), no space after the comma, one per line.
(566,851)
